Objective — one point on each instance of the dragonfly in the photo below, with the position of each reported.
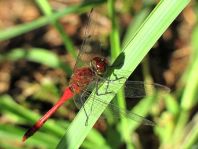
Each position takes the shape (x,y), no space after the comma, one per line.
(86,77)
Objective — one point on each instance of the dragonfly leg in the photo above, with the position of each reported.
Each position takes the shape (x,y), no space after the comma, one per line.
(82,103)
(113,80)
(106,89)
(117,78)
(92,104)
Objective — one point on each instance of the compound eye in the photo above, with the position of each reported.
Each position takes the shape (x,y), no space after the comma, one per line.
(99,65)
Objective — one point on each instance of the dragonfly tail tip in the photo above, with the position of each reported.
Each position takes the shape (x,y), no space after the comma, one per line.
(30,132)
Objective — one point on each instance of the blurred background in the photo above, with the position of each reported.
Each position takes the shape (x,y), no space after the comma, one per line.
(37,56)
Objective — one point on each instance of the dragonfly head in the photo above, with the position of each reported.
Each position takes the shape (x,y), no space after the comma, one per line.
(99,65)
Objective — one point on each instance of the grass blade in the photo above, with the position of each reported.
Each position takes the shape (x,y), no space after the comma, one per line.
(42,21)
(47,10)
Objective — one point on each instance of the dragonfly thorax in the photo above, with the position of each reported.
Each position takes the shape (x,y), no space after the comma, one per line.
(99,65)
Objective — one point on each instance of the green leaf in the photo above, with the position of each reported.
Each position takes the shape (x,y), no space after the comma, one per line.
(47,10)
(38,55)
(42,21)
(7,103)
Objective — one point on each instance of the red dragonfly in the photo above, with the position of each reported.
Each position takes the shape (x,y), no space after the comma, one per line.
(79,88)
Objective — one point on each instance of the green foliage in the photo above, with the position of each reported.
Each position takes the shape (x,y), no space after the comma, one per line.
(135,49)
(175,127)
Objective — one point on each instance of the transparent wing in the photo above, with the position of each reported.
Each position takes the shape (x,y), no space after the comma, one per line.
(135,89)
(117,112)
(132,89)
(89,48)
(81,61)
(139,89)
